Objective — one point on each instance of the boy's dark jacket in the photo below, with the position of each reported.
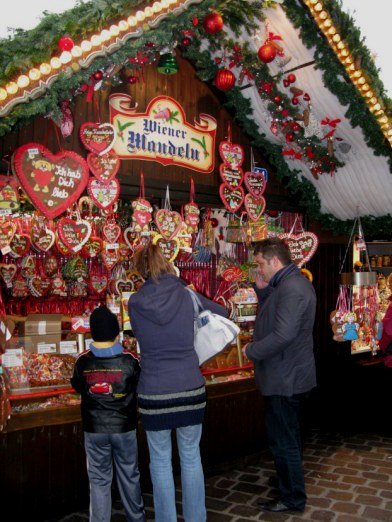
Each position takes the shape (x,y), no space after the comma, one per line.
(107,386)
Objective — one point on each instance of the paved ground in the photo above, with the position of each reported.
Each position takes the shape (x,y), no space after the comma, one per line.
(348,477)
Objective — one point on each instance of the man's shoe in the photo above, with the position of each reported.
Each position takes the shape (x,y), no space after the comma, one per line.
(275,506)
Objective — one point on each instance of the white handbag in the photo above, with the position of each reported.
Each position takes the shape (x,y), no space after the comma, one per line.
(213,332)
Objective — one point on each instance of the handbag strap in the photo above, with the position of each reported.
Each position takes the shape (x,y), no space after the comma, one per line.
(197,306)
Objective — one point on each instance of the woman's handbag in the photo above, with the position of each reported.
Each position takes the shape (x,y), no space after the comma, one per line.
(212,331)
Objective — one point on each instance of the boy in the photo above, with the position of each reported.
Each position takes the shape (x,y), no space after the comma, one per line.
(106,377)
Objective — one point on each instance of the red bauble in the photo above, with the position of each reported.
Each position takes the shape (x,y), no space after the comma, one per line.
(65,43)
(213,23)
(186,41)
(286,83)
(306,97)
(267,52)
(291,78)
(132,80)
(277,99)
(98,75)
(273,213)
(195,21)
(295,100)
(224,79)
(296,126)
(290,137)
(84,87)
(285,113)
(214,222)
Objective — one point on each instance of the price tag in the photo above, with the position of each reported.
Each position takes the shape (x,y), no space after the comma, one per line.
(46,348)
(6,250)
(112,246)
(13,358)
(5,211)
(41,327)
(87,343)
(68,347)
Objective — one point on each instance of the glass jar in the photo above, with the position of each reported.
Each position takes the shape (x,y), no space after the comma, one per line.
(386,260)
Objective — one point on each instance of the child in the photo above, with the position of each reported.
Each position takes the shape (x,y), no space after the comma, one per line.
(106,377)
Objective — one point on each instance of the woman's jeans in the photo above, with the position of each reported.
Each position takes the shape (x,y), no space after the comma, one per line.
(192,478)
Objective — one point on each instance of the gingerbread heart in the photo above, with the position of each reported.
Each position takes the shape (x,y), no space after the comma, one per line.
(7,232)
(97,137)
(50,266)
(104,195)
(255,182)
(61,247)
(111,232)
(42,238)
(254,207)
(39,286)
(232,177)
(19,287)
(142,214)
(109,258)
(20,245)
(169,247)
(232,154)
(9,197)
(28,266)
(302,246)
(74,234)
(7,272)
(169,222)
(53,182)
(92,247)
(124,285)
(103,166)
(231,198)
(98,283)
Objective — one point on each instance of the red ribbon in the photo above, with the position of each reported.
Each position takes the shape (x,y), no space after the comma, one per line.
(292,153)
(331,123)
(272,36)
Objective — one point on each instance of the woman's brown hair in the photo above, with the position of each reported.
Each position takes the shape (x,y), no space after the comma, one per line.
(150,262)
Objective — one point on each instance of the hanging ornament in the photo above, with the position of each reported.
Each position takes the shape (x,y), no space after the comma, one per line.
(267,52)
(186,41)
(9,197)
(213,23)
(66,122)
(98,75)
(132,79)
(274,127)
(191,212)
(167,64)
(224,79)
(65,43)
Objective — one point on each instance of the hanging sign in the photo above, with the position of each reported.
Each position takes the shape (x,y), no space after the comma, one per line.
(162,133)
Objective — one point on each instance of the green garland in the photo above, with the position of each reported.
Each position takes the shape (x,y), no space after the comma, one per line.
(19,54)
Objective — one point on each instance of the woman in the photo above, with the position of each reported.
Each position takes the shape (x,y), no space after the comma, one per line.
(171,387)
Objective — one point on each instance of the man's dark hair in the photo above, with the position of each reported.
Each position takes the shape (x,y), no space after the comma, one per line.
(272,247)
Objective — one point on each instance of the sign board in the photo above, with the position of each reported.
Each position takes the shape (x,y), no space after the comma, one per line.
(162,133)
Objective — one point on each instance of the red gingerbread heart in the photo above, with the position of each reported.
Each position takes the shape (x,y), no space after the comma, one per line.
(256,183)
(254,207)
(232,154)
(53,182)
(103,166)
(302,246)
(232,198)
(97,137)
(92,247)
(7,232)
(104,195)
(169,222)
(111,232)
(74,234)
(20,245)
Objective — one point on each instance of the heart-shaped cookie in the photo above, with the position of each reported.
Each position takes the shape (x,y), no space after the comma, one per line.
(232,177)
(7,272)
(130,237)
(19,287)
(104,195)
(109,258)
(111,232)
(231,198)
(123,285)
(42,238)
(28,266)
(92,247)
(169,222)
(20,245)
(98,283)
(254,207)
(61,247)
(255,182)
(53,182)
(302,246)
(232,154)
(169,247)
(97,137)
(39,286)
(103,166)
(9,197)
(142,214)
(7,232)
(74,234)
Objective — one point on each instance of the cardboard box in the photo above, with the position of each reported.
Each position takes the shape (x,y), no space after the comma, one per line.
(41,324)
(41,343)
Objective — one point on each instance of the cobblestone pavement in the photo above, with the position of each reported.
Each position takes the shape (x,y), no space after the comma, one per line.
(348,478)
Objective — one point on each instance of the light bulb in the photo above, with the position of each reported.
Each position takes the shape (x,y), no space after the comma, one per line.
(105,35)
(3,94)
(95,40)
(11,88)
(65,57)
(132,21)
(76,51)
(34,74)
(123,25)
(45,68)
(114,30)
(55,63)
(140,16)
(23,81)
(86,46)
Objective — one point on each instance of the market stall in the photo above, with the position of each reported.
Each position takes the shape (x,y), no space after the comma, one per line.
(124,141)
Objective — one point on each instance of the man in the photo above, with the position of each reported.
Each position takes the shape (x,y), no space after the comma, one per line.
(282,352)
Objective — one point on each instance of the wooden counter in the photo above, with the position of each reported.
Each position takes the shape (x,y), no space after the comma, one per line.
(43,470)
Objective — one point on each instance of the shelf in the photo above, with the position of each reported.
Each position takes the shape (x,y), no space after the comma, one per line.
(44,391)
(248,366)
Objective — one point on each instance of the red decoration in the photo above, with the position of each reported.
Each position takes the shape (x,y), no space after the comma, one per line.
(213,23)
(51,193)
(97,137)
(256,183)
(254,207)
(296,127)
(74,234)
(286,83)
(104,195)
(224,79)
(186,41)
(65,43)
(103,166)
(195,21)
(291,78)
(285,113)
(98,76)
(290,137)
(232,198)
(306,97)
(295,100)
(132,80)
(277,99)
(302,246)
(267,52)
(232,177)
